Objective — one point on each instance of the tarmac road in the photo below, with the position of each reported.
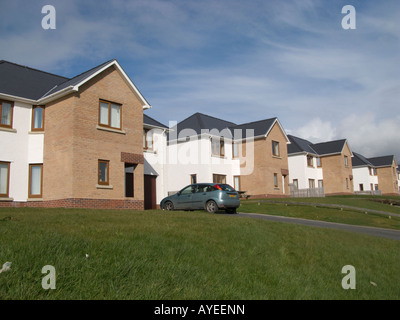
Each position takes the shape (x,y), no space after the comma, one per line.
(372,231)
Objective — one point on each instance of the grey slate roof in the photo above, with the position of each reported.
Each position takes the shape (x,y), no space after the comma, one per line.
(359,161)
(75,80)
(260,127)
(299,145)
(151,122)
(329,147)
(199,122)
(25,82)
(383,161)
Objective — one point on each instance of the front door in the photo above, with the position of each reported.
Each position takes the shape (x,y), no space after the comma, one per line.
(150,192)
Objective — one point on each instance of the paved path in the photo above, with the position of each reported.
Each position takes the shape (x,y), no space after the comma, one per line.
(378,232)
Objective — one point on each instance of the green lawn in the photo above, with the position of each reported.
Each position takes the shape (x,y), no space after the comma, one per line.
(187,255)
(288,207)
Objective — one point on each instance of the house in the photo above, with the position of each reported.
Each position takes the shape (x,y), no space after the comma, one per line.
(200,149)
(365,177)
(155,152)
(264,169)
(386,169)
(71,142)
(252,157)
(305,167)
(317,165)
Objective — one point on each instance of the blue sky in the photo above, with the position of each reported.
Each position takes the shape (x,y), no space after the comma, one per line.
(237,60)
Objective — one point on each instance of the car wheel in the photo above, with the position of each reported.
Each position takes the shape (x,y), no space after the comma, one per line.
(211,206)
(169,206)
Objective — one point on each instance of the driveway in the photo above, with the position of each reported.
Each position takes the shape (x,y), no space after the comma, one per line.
(372,231)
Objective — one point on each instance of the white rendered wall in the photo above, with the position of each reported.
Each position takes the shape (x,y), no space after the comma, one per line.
(362,176)
(20,148)
(194,157)
(298,169)
(155,162)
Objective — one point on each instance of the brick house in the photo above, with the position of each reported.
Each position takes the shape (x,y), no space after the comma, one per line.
(71,142)
(386,170)
(327,163)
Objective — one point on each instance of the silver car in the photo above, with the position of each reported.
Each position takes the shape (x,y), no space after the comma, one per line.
(207,196)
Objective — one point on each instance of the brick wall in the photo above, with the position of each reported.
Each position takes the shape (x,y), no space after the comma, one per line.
(77,203)
(73,144)
(261,181)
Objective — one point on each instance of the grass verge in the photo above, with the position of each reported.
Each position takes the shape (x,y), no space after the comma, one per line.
(186,255)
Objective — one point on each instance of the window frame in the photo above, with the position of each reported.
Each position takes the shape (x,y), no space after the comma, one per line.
(319,162)
(40,195)
(193,178)
(276,180)
(109,114)
(310,161)
(217,177)
(235,145)
(103,183)
(33,118)
(346,161)
(220,145)
(145,140)
(239,182)
(275,148)
(10,126)
(6,195)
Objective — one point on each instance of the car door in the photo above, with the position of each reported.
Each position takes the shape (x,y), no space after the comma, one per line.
(199,197)
(184,198)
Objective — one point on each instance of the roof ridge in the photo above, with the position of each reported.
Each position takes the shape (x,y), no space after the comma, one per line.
(256,121)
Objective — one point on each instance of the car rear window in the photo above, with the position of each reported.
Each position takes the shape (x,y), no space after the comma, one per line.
(224,187)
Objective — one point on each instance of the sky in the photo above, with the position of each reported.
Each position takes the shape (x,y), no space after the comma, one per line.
(237,60)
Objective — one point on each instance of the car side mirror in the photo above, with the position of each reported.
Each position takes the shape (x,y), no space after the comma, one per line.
(178,193)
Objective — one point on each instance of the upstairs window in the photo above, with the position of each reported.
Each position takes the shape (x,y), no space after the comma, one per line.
(37,118)
(218,147)
(235,150)
(346,161)
(147,139)
(6,114)
(110,115)
(319,163)
(275,148)
(310,161)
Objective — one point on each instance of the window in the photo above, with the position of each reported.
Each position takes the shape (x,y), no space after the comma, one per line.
(4,179)
(347,183)
(361,187)
(110,115)
(147,139)
(193,178)
(235,150)
(6,114)
(296,183)
(310,161)
(346,161)
(376,187)
(374,171)
(275,148)
(372,186)
(311,183)
(319,163)
(35,180)
(370,171)
(218,178)
(276,180)
(320,184)
(236,183)
(103,178)
(217,146)
(37,118)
